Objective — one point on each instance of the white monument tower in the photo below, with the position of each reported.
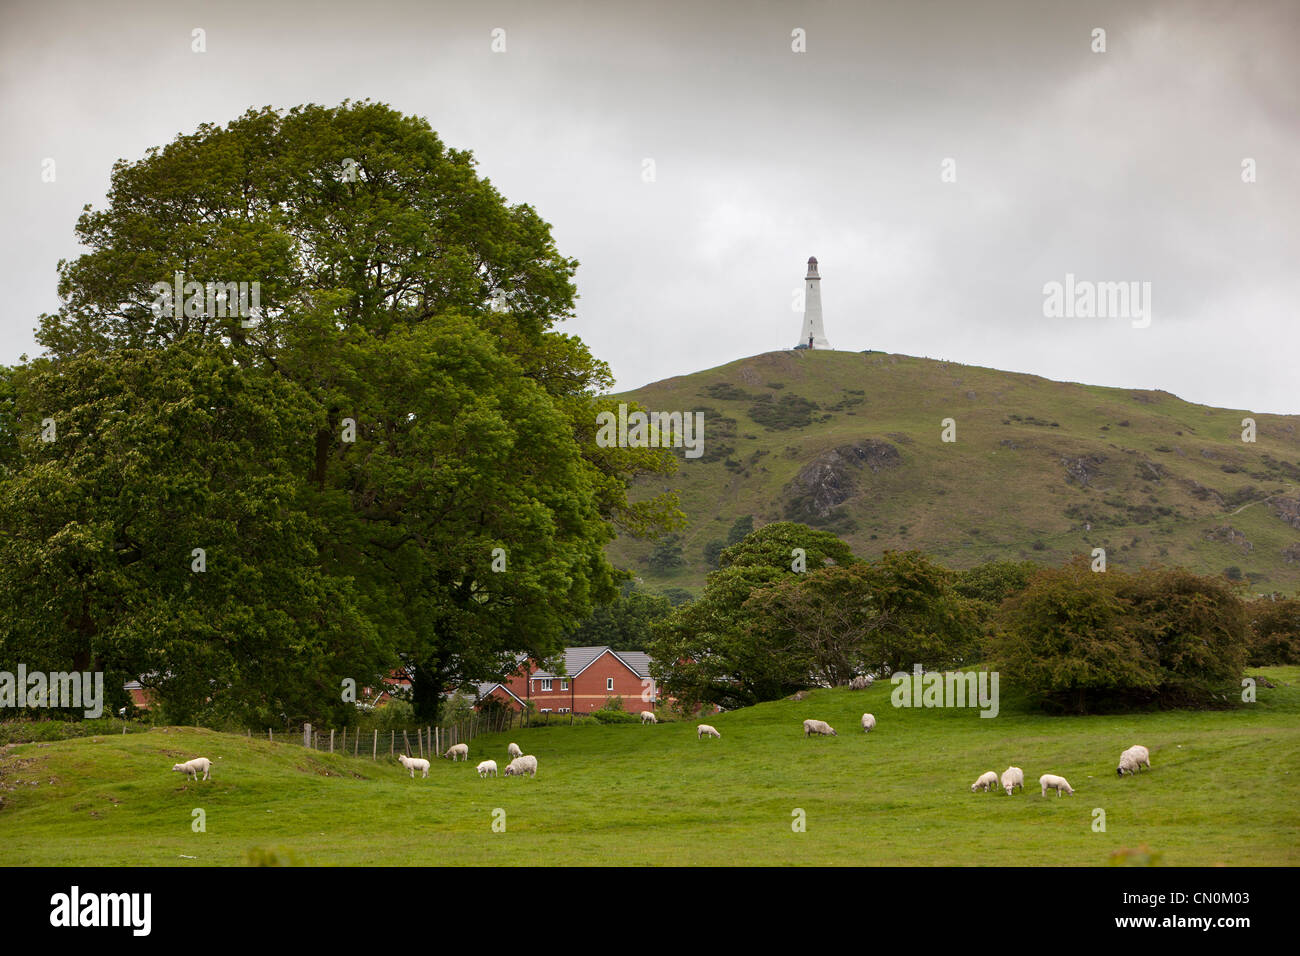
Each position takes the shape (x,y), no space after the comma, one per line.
(813,335)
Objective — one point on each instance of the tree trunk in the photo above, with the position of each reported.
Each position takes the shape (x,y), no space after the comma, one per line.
(426,690)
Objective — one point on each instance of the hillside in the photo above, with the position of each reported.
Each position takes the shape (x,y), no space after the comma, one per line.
(850,442)
(626,794)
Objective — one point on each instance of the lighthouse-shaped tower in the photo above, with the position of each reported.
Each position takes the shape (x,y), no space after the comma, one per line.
(813,335)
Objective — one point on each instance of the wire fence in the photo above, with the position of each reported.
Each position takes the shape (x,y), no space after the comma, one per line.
(427,741)
(412,741)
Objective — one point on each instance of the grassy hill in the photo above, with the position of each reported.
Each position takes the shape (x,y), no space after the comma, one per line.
(850,442)
(1221,790)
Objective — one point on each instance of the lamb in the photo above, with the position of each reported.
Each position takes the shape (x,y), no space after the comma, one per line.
(860,683)
(1133,758)
(648,717)
(191,768)
(457,751)
(487,767)
(527,764)
(704,730)
(413,764)
(818,727)
(986,782)
(868,723)
(514,751)
(1013,777)
(1050,781)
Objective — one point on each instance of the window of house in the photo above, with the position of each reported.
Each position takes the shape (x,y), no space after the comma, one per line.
(564,710)
(545,710)
(546,683)
(609,683)
(564,685)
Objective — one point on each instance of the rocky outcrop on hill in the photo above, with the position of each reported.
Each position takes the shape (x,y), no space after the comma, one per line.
(1227,534)
(1288,509)
(831,478)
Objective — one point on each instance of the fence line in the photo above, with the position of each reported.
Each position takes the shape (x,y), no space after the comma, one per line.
(434,738)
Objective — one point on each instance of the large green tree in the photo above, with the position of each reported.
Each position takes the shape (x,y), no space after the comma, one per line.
(159,527)
(709,651)
(414,312)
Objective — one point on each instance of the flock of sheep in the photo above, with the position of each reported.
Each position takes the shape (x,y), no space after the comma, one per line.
(520,762)
(519,765)
(1130,761)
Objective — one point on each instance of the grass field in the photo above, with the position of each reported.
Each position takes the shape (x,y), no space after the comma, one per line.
(1223,790)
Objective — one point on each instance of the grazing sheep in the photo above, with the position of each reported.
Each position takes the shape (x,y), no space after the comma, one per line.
(986,782)
(818,727)
(704,730)
(191,768)
(860,683)
(868,723)
(487,767)
(1050,781)
(455,751)
(1013,777)
(526,764)
(1133,758)
(514,751)
(648,717)
(413,764)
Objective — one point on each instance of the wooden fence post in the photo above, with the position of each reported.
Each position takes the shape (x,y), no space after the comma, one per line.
(270,736)
(306,735)
(392,743)
(331,740)
(356,743)
(374,747)
(419,739)
(406,743)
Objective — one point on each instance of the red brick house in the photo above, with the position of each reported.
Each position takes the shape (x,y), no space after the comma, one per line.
(591,675)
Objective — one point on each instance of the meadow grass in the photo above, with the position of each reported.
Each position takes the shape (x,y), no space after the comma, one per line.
(1223,790)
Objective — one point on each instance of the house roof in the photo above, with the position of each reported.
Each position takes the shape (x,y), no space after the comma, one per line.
(578,659)
(486,688)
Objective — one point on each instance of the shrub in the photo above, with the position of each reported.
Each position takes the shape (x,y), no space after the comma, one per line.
(1274,631)
(1083,642)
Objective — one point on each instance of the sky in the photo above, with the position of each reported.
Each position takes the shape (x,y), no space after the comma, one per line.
(944,161)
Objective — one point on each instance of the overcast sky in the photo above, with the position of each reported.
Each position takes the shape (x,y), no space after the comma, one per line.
(1117,166)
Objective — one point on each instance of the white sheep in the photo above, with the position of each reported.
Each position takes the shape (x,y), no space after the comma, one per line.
(986,782)
(818,727)
(413,764)
(1013,777)
(514,751)
(648,717)
(527,764)
(868,723)
(487,768)
(1133,758)
(458,751)
(191,768)
(704,730)
(1050,781)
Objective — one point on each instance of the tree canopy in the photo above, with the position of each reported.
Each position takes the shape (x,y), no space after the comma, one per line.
(390,462)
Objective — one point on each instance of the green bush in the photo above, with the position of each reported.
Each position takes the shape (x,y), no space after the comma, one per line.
(393,715)
(1085,642)
(1274,631)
